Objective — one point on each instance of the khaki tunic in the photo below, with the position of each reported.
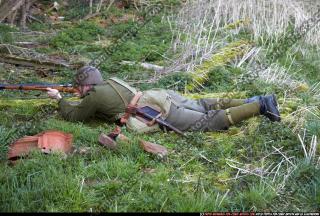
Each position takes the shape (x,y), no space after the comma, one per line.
(103,101)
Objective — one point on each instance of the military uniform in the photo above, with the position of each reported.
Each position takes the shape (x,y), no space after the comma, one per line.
(105,101)
(208,114)
(110,100)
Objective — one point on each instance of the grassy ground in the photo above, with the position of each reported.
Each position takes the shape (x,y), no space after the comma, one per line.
(255,166)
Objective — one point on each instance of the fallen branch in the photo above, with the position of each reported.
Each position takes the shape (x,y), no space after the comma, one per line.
(28,57)
(145,65)
(285,157)
(11,59)
(32,36)
(27,44)
(202,156)
(89,16)
(33,18)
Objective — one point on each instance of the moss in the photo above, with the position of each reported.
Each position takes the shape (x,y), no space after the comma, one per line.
(27,107)
(27,103)
(221,58)
(238,23)
(234,95)
(303,87)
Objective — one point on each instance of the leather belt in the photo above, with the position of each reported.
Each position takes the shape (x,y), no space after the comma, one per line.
(132,104)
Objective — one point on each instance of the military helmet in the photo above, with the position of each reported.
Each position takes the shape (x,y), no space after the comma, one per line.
(88,75)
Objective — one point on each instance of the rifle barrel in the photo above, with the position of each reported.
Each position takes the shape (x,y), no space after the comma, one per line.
(39,87)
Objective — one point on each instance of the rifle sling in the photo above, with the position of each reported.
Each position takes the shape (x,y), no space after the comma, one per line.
(132,103)
(118,92)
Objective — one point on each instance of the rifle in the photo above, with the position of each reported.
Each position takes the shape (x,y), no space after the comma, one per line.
(152,114)
(39,87)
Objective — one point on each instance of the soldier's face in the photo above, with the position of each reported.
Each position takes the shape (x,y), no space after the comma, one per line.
(83,90)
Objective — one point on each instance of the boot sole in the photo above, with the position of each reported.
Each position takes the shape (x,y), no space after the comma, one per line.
(274,116)
(274,99)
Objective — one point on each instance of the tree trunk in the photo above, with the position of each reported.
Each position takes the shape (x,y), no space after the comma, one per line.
(24,12)
(90,5)
(12,18)
(23,17)
(8,7)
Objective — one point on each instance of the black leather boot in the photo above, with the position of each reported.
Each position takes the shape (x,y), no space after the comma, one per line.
(268,106)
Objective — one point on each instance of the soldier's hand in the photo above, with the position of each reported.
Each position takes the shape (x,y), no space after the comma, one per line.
(54,93)
(131,109)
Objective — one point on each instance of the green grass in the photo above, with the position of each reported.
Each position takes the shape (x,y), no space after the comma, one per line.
(151,42)
(5,36)
(121,180)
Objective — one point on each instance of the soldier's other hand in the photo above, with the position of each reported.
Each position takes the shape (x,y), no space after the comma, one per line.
(54,93)
(77,94)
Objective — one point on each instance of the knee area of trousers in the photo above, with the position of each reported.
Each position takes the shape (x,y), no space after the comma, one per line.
(218,120)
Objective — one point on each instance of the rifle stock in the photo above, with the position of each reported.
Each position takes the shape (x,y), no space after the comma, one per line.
(38,87)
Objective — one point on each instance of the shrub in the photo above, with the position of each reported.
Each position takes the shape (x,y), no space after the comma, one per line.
(85,31)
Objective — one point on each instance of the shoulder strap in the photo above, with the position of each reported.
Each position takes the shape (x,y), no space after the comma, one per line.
(118,92)
(124,84)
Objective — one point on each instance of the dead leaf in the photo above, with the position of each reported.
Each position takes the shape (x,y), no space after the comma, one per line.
(154,148)
(122,138)
(53,18)
(149,170)
(106,141)
(82,150)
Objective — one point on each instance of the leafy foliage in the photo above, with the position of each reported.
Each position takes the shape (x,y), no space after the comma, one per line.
(85,31)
